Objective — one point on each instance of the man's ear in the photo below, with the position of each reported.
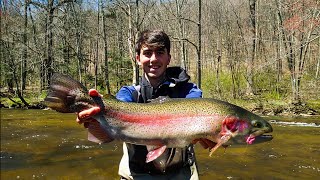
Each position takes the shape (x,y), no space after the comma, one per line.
(138,59)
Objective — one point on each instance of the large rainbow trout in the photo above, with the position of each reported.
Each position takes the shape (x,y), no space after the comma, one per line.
(164,122)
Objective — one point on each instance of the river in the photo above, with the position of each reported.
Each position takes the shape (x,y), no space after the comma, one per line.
(43,144)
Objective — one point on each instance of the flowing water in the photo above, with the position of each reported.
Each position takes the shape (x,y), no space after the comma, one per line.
(40,144)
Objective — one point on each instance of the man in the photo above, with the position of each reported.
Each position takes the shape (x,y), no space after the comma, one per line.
(153,55)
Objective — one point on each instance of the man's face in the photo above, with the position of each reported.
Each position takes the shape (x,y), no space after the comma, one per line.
(153,61)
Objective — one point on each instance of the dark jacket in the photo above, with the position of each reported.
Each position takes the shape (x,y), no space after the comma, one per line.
(175,85)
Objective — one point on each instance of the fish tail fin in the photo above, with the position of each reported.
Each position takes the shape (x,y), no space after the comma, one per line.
(63,93)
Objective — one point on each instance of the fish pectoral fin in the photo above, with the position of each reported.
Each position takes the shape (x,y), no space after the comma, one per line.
(93,138)
(204,142)
(225,138)
(155,153)
(97,134)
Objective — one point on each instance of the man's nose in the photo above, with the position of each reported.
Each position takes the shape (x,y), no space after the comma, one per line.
(153,57)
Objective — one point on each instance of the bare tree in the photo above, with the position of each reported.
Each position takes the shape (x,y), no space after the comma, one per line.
(297,31)
(253,20)
(105,38)
(78,22)
(195,43)
(318,61)
(50,7)
(133,31)
(132,38)
(24,49)
(199,44)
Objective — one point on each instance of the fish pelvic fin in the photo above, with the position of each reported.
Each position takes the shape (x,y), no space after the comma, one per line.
(154,154)
(65,93)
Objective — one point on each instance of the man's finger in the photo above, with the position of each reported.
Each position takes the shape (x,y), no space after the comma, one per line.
(88,112)
(94,93)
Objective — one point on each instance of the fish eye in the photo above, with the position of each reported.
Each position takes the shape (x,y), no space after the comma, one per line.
(257,124)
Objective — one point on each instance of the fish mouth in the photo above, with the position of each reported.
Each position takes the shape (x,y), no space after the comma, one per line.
(263,138)
(259,137)
(259,133)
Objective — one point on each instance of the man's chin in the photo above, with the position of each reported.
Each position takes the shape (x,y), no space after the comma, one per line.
(154,74)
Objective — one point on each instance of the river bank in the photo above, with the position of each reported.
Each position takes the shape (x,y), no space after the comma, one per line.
(300,109)
(266,108)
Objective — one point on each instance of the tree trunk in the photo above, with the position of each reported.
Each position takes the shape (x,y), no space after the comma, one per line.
(318,63)
(131,44)
(25,50)
(97,50)
(79,41)
(181,35)
(49,59)
(106,65)
(199,44)
(279,45)
(218,69)
(253,20)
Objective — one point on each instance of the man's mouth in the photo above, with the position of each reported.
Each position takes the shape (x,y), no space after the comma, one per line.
(154,67)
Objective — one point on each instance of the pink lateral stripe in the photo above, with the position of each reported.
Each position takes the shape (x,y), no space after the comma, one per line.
(150,119)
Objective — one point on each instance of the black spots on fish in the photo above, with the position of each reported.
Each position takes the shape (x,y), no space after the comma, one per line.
(115,122)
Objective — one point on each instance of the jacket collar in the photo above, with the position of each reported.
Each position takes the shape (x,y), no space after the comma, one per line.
(174,75)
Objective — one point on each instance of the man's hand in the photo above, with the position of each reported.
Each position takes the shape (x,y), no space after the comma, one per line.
(95,132)
(85,116)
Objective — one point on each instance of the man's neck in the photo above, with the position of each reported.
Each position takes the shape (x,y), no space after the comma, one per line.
(155,82)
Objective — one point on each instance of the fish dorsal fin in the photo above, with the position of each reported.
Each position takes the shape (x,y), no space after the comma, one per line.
(160,99)
(154,153)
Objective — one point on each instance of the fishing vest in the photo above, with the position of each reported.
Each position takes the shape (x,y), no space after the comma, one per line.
(172,158)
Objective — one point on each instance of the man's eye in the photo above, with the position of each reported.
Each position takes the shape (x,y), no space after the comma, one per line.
(160,52)
(147,53)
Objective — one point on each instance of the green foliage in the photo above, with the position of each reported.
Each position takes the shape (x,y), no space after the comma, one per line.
(208,84)
(8,103)
(225,88)
(268,92)
(310,89)
(314,104)
(43,94)
(120,71)
(267,87)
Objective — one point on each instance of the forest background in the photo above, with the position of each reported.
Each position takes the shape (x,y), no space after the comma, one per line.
(260,54)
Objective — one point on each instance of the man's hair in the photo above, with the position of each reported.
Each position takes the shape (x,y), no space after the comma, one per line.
(153,39)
